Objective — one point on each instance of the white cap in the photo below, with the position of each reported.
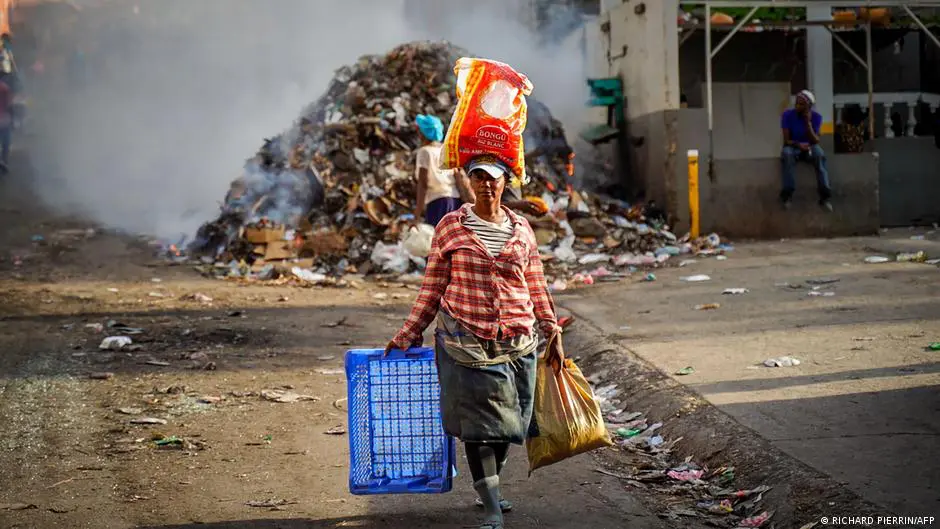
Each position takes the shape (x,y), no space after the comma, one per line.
(493,168)
(806,94)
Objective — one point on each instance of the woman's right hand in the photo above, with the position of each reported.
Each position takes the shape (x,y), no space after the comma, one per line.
(555,352)
(388,348)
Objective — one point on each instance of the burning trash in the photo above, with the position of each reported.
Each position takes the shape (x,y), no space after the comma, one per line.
(336,193)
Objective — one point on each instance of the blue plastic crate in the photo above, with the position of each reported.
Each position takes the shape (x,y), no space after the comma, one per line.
(397,443)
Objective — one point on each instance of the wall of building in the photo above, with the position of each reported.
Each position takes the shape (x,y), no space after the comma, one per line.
(910,181)
(739,198)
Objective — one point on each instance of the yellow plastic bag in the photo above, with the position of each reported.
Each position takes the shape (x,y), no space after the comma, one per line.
(568,416)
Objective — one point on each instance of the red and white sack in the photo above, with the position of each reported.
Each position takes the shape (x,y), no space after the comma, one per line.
(490,116)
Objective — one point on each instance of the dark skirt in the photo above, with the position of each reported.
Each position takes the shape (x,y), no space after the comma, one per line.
(437,208)
(486,404)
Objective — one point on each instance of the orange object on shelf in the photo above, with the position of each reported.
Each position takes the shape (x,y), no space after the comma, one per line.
(721,19)
(847,16)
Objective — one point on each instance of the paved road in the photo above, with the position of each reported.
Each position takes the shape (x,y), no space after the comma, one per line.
(864,405)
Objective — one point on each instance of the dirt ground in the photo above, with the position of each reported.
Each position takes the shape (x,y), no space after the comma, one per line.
(70,457)
(863,406)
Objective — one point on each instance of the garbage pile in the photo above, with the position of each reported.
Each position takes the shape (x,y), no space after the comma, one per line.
(335,194)
(699,492)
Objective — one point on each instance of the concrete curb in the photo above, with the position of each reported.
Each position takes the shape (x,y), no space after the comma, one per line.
(800,494)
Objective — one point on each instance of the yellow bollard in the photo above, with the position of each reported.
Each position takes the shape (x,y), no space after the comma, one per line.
(693,194)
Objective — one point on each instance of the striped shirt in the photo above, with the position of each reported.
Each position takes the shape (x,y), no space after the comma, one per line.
(490,296)
(493,236)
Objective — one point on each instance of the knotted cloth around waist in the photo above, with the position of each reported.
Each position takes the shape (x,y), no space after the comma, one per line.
(469,351)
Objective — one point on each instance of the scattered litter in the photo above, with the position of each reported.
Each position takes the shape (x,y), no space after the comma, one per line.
(338,403)
(687,262)
(330,372)
(932,262)
(696,278)
(934,346)
(326,358)
(156,295)
(721,258)
(685,475)
(158,363)
(167,441)
(817,294)
(115,343)
(148,420)
(198,296)
(916,257)
(336,430)
(783,361)
(685,371)
(307,275)
(338,323)
(917,237)
(876,259)
(650,277)
(755,521)
(97,327)
(735,291)
(716,507)
(822,281)
(285,397)
(268,504)
(708,306)
(16,506)
(113,290)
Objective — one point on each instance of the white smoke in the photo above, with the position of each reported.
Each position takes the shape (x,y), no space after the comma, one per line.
(177,94)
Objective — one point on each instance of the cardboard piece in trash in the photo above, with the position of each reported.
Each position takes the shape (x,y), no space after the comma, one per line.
(264,235)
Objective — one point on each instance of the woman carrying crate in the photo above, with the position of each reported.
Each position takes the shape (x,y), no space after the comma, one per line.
(485,286)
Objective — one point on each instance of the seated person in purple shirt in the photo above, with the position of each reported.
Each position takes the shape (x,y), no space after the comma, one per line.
(800,126)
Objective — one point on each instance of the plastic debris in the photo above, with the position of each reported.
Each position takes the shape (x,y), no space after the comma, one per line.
(708,306)
(336,430)
(685,475)
(417,241)
(696,278)
(307,275)
(735,291)
(285,397)
(148,420)
(934,346)
(755,521)
(783,361)
(876,259)
(915,257)
(115,343)
(685,371)
(390,257)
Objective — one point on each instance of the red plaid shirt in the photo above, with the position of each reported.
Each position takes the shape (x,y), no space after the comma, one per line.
(506,294)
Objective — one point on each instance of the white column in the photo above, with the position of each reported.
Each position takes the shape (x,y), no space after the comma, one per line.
(911,118)
(889,108)
(819,64)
